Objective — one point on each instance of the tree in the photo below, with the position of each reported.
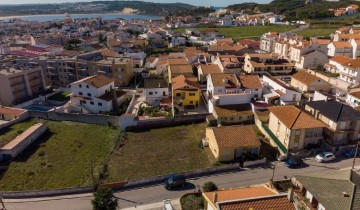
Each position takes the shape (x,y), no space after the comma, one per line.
(209,187)
(104,200)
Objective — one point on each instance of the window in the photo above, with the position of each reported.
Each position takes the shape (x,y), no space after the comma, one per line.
(89,94)
(87,86)
(191,94)
(155,92)
(178,94)
(191,102)
(219,91)
(80,93)
(150,93)
(231,118)
(91,102)
(80,86)
(83,102)
(120,76)
(99,104)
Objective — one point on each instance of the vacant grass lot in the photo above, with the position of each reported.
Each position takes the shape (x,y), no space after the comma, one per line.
(9,133)
(60,158)
(246,31)
(159,151)
(318,31)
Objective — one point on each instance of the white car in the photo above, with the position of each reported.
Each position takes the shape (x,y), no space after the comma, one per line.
(324,157)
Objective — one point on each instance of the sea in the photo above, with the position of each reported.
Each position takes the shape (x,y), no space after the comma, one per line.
(110,16)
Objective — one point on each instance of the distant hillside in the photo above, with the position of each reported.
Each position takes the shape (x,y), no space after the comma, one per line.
(294,9)
(148,8)
(138,7)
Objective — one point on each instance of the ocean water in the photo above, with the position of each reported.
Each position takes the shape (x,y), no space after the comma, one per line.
(111,16)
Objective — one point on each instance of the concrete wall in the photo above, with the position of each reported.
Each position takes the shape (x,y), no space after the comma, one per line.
(84,118)
(22,141)
(22,117)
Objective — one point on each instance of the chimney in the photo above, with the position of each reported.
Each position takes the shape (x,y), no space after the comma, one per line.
(159,85)
(215,197)
(226,80)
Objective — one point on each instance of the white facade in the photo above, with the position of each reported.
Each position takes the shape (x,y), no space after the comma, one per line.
(153,96)
(353,100)
(219,95)
(91,97)
(356,48)
(339,51)
(312,60)
(286,94)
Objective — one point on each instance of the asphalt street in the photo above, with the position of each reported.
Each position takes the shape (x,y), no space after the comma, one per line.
(157,193)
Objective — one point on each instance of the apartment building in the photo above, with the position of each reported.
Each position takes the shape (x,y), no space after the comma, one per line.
(343,123)
(267,63)
(295,129)
(19,84)
(61,71)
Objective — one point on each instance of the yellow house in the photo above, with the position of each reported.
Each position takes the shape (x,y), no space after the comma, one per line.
(230,142)
(185,91)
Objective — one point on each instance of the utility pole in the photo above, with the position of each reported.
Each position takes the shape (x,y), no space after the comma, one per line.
(273,173)
(356,150)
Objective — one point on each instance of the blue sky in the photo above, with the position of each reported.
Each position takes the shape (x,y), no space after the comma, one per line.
(193,2)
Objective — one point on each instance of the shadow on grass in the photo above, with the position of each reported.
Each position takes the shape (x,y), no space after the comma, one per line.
(33,147)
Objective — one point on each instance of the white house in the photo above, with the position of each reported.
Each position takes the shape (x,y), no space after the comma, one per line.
(176,41)
(253,84)
(155,90)
(224,89)
(340,49)
(349,71)
(353,99)
(356,47)
(94,94)
(311,60)
(336,63)
(277,92)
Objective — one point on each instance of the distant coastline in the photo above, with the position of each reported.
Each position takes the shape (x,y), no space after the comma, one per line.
(106,16)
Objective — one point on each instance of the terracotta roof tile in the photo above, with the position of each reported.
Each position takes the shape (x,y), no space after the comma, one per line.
(11,111)
(294,118)
(224,80)
(177,61)
(354,63)
(355,94)
(305,77)
(341,59)
(180,69)
(237,136)
(342,44)
(181,81)
(210,69)
(250,81)
(97,80)
(268,203)
(240,193)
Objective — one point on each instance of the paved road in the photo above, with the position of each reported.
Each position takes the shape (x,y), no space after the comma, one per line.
(157,193)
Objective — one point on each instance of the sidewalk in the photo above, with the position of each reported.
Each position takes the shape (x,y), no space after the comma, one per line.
(156,206)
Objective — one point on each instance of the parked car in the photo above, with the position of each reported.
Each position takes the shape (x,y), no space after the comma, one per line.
(293,162)
(351,152)
(324,157)
(175,181)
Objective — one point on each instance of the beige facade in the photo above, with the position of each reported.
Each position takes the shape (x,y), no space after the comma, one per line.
(61,72)
(294,139)
(20,84)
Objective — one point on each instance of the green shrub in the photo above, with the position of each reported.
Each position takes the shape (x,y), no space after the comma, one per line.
(192,202)
(209,187)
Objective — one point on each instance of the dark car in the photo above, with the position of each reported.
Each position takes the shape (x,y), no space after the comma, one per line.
(293,162)
(175,181)
(351,152)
